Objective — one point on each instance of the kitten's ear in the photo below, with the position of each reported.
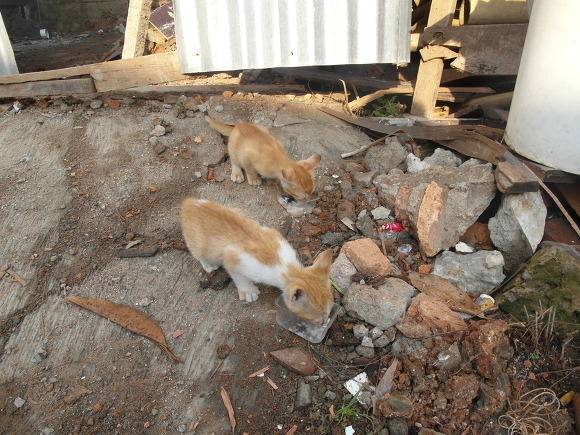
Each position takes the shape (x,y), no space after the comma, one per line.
(285,179)
(299,296)
(323,261)
(311,162)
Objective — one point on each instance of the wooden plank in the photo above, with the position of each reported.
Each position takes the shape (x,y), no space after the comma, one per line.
(462,138)
(114,75)
(48,87)
(429,74)
(512,176)
(493,49)
(551,175)
(436,52)
(138,71)
(136,28)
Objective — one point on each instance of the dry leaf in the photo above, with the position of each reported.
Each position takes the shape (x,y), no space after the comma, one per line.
(152,189)
(229,407)
(197,139)
(292,430)
(128,215)
(128,317)
(444,290)
(178,333)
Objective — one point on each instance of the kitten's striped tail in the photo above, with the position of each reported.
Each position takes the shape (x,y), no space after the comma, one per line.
(219,126)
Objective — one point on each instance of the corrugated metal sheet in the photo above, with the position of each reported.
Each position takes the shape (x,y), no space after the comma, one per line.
(223,35)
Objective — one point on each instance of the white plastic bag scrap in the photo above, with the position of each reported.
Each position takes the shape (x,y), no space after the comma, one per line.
(360,385)
(348,430)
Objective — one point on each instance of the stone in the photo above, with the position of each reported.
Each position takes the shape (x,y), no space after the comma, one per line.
(409,347)
(383,158)
(380,213)
(461,390)
(383,306)
(365,224)
(491,400)
(440,157)
(375,333)
(303,397)
(353,167)
(96,104)
(367,342)
(518,226)
(360,331)
(464,248)
(295,359)
(365,352)
(381,341)
(345,209)
(367,257)
(395,404)
(397,426)
(475,273)
(157,131)
(427,317)
(361,180)
(19,402)
(341,272)
(458,196)
(425,268)
(450,359)
(477,236)
(331,238)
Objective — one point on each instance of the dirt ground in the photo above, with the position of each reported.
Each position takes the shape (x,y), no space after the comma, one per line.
(79,182)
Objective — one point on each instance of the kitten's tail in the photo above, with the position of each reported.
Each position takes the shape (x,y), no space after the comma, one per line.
(219,126)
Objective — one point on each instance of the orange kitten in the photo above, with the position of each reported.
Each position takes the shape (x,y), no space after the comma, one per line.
(258,153)
(218,236)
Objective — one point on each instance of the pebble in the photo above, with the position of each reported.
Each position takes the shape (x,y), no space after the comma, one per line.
(381,341)
(365,352)
(375,333)
(303,398)
(96,104)
(219,108)
(367,342)
(330,395)
(19,402)
(360,331)
(158,130)
(201,108)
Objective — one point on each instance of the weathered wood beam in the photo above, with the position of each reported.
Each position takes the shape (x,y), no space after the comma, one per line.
(48,87)
(136,28)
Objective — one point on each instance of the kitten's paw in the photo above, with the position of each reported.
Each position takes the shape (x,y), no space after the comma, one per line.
(237,176)
(254,181)
(249,295)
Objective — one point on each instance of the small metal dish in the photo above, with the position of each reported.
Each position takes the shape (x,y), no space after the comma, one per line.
(303,328)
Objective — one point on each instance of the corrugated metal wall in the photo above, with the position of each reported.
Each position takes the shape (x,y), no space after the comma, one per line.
(223,35)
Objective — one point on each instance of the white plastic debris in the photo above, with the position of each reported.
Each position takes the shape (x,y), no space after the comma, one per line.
(464,248)
(349,430)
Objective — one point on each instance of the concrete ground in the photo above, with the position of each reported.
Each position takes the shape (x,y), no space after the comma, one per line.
(76,184)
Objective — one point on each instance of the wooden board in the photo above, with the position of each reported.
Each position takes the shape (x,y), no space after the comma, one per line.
(462,138)
(571,193)
(551,175)
(512,176)
(429,74)
(493,49)
(48,87)
(110,76)
(136,29)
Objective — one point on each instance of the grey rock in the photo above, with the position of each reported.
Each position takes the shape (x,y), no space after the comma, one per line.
(365,352)
(96,104)
(341,271)
(360,331)
(471,162)
(330,395)
(380,213)
(441,157)
(201,108)
(518,226)
(383,306)
(381,341)
(375,333)
(469,192)
(383,158)
(367,342)
(303,398)
(365,225)
(219,108)
(331,238)
(397,426)
(158,131)
(409,346)
(475,273)
(449,359)
(363,179)
(19,402)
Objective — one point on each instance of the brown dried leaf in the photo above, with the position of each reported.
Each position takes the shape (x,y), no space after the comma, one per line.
(445,291)
(128,317)
(229,407)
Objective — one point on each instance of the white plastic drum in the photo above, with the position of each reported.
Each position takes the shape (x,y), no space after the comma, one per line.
(544,118)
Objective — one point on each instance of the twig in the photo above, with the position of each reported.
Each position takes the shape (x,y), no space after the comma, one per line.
(345,104)
(16,276)
(259,372)
(364,148)
(229,407)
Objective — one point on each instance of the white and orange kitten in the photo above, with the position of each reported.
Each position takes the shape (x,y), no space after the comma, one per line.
(259,154)
(218,236)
